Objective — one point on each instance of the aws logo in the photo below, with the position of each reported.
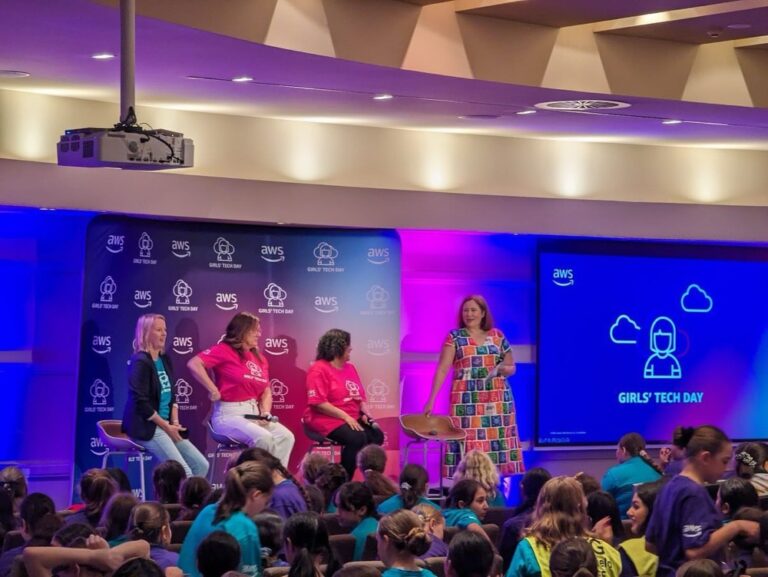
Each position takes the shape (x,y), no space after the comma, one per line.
(115,243)
(326,304)
(562,276)
(182,345)
(97,447)
(378,255)
(181,248)
(276,346)
(272,253)
(226,301)
(142,299)
(101,344)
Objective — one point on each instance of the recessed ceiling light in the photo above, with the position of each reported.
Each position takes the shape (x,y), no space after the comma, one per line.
(242,79)
(103,56)
(13,74)
(383,96)
(525,112)
(739,26)
(671,121)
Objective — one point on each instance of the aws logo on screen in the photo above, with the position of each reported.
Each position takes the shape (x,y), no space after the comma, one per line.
(562,276)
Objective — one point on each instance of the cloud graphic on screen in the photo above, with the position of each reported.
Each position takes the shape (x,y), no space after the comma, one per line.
(624,331)
(696,300)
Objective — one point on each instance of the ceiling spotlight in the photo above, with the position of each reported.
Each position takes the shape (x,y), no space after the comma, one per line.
(525,112)
(383,96)
(13,74)
(671,121)
(242,79)
(103,56)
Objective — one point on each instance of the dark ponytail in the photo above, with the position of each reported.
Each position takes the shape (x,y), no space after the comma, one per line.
(309,539)
(413,484)
(704,438)
(273,464)
(355,495)
(634,445)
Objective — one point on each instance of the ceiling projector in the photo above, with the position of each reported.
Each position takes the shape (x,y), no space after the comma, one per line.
(125,147)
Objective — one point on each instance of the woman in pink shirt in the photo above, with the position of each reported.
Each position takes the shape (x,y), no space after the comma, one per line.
(336,399)
(241,387)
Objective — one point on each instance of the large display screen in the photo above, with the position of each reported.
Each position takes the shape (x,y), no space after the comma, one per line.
(644,343)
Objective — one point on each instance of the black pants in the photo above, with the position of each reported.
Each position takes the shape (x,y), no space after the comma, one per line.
(352,441)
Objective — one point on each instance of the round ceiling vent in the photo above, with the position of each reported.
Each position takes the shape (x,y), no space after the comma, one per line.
(582,105)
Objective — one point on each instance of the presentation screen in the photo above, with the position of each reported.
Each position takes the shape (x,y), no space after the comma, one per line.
(647,342)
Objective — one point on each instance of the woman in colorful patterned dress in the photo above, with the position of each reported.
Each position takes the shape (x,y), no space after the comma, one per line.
(481,401)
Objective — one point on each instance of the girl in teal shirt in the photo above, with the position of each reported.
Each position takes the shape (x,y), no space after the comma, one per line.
(466,507)
(401,539)
(247,490)
(357,511)
(413,486)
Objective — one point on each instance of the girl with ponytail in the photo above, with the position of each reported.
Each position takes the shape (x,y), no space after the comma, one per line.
(306,546)
(372,461)
(288,496)
(357,512)
(151,522)
(413,486)
(634,467)
(247,490)
(685,524)
(401,539)
(573,557)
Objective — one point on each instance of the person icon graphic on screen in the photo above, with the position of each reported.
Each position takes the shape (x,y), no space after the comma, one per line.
(663,364)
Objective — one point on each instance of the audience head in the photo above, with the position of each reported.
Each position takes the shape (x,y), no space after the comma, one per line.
(334,344)
(588,483)
(240,332)
(432,518)
(248,488)
(119,476)
(477,465)
(34,508)
(44,530)
(750,459)
(215,496)
(96,489)
(469,555)
(7,513)
(468,494)
(331,477)
(735,493)
(357,571)
(413,484)
(166,479)
(73,535)
(372,460)
(354,502)
(311,465)
(530,486)
(13,481)
(305,542)
(708,450)
(150,333)
(218,553)
(279,472)
(117,514)
(139,567)
(401,535)
(486,323)
(630,445)
(573,557)
(642,505)
(560,511)
(193,494)
(699,568)
(602,504)
(270,526)
(151,522)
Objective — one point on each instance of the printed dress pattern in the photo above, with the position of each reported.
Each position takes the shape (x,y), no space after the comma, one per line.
(483,407)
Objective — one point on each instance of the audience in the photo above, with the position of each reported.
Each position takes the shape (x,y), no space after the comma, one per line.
(193,496)
(751,460)
(634,467)
(218,553)
(166,480)
(38,517)
(466,506)
(700,568)
(310,468)
(733,494)
(413,488)
(434,525)
(270,526)
(119,477)
(574,557)
(672,458)
(477,465)
(7,514)
(469,556)
(601,506)
(588,483)
(96,489)
(401,539)
(115,518)
(288,497)
(151,522)
(357,512)
(14,482)
(307,546)
(635,558)
(372,462)
(331,477)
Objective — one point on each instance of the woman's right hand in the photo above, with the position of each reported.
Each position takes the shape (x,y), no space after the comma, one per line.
(214,395)
(173,432)
(428,408)
(353,424)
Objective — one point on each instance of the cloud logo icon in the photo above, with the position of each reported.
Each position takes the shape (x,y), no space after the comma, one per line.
(696,300)
(624,331)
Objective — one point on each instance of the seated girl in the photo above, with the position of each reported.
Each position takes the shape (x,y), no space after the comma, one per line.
(434,525)
(574,557)
(635,466)
(151,522)
(357,513)
(733,494)
(401,539)
(413,487)
(466,506)
(635,559)
(469,556)
(372,461)
(478,466)
(331,477)
(307,546)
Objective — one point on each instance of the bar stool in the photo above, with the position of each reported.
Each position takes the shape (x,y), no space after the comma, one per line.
(223,443)
(319,441)
(118,443)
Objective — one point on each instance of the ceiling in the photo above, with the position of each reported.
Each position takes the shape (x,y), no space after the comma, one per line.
(191,69)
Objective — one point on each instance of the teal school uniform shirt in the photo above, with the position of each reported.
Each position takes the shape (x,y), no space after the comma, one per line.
(395,503)
(619,480)
(360,533)
(461,518)
(393,572)
(239,525)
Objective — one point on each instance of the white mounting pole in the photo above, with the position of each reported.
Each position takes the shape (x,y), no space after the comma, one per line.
(127,57)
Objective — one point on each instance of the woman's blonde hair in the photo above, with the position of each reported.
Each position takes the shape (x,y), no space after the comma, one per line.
(143,326)
(428,515)
(478,466)
(559,512)
(405,531)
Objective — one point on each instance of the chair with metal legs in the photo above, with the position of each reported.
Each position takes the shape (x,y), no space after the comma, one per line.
(223,443)
(118,443)
(319,441)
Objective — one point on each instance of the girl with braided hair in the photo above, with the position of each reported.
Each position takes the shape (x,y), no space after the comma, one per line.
(634,467)
(288,496)
(151,522)
(247,490)
(401,539)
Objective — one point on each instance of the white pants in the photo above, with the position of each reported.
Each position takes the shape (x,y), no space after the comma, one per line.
(228,420)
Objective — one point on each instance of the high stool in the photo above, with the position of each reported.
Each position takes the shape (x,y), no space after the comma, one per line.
(118,443)
(223,443)
(319,441)
(423,429)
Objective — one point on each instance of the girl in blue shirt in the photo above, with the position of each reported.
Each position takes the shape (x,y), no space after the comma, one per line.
(401,539)
(466,507)
(413,487)
(247,490)
(357,511)
(469,556)
(306,546)
(634,467)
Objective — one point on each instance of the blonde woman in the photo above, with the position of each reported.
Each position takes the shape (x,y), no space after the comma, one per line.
(560,514)
(478,466)
(151,416)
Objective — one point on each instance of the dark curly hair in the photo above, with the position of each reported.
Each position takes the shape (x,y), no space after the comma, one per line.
(333,344)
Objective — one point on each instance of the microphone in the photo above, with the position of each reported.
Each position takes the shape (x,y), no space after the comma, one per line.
(265,417)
